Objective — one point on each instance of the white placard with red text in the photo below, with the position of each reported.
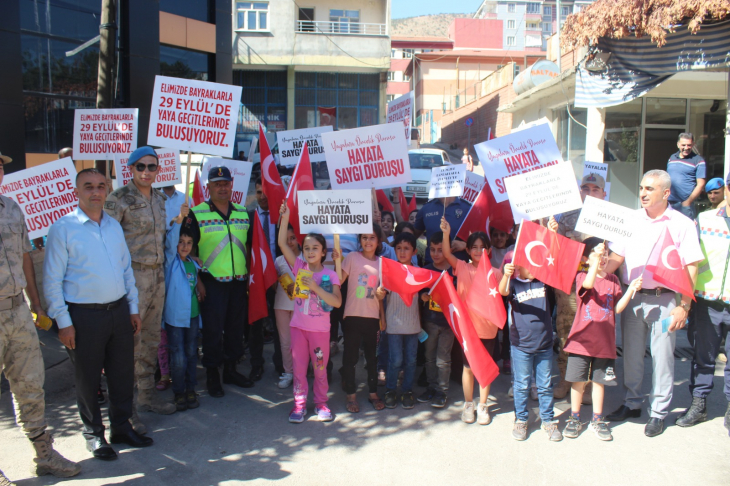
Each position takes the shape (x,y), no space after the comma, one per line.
(291,143)
(105,133)
(44,193)
(543,192)
(473,185)
(374,157)
(336,212)
(447,181)
(517,153)
(195,116)
(401,110)
(167,175)
(241,172)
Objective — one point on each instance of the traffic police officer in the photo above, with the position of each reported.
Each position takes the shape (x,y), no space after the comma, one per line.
(220,228)
(20,353)
(140,210)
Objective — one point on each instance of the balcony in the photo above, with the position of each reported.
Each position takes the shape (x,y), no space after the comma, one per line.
(340,28)
(533,16)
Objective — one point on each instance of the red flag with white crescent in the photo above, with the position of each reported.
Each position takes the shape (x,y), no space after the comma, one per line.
(301,181)
(485,212)
(667,266)
(198,196)
(262,273)
(405,280)
(482,365)
(403,203)
(484,297)
(270,179)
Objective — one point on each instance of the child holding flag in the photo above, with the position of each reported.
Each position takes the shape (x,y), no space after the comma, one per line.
(310,323)
(592,339)
(477,246)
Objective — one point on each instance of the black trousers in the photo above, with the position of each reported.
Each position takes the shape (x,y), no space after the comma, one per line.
(358,330)
(255,336)
(104,340)
(225,313)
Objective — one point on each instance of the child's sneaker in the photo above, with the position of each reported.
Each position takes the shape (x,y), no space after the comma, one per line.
(427,396)
(297,414)
(192,399)
(324,414)
(439,400)
(483,417)
(519,431)
(285,380)
(600,428)
(181,402)
(407,400)
(391,399)
(572,428)
(468,415)
(552,430)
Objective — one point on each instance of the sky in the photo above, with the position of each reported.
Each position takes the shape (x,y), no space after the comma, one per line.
(412,8)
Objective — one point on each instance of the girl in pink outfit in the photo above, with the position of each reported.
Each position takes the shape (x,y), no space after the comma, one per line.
(310,323)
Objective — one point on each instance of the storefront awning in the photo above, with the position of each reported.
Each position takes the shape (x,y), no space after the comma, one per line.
(636,65)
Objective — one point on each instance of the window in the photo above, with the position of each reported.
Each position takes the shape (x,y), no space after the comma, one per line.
(547,10)
(342,20)
(564,11)
(511,8)
(407,53)
(406,77)
(517,70)
(533,26)
(533,41)
(510,40)
(389,98)
(391,76)
(192,9)
(351,98)
(547,27)
(392,53)
(533,8)
(252,16)
(510,24)
(263,99)
(182,63)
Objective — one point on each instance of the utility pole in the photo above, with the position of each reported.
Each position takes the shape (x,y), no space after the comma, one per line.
(107,57)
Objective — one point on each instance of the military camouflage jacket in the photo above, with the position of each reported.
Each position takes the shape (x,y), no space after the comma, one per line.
(13,243)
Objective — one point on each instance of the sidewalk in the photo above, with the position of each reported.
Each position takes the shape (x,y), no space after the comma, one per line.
(245,437)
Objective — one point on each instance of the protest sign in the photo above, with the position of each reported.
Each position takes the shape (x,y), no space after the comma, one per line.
(195,116)
(167,175)
(517,153)
(606,220)
(373,157)
(473,185)
(104,134)
(543,192)
(600,169)
(241,172)
(447,181)
(291,141)
(44,193)
(336,212)
(401,110)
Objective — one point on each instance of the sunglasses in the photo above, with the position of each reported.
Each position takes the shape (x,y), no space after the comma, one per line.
(150,167)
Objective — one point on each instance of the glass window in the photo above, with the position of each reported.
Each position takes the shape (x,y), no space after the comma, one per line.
(263,99)
(510,40)
(572,136)
(406,77)
(389,98)
(511,7)
(74,19)
(666,111)
(392,53)
(192,9)
(342,20)
(407,53)
(391,76)
(356,98)
(182,63)
(510,24)
(46,68)
(623,123)
(706,123)
(547,27)
(533,8)
(547,10)
(564,11)
(346,118)
(252,16)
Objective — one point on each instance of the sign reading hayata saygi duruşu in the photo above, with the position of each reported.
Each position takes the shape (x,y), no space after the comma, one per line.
(374,157)
(336,212)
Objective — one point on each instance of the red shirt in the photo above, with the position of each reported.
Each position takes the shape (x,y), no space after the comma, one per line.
(594,328)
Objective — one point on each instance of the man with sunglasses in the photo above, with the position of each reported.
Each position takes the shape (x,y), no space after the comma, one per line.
(140,210)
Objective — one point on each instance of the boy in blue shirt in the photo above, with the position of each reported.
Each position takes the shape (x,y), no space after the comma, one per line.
(181,319)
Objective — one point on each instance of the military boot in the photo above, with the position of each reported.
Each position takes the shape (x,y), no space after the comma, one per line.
(696,413)
(48,461)
(149,400)
(4,481)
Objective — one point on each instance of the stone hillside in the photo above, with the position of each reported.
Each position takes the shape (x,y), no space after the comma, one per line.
(424,25)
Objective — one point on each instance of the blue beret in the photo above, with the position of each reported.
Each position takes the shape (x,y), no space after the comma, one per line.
(141,152)
(713,184)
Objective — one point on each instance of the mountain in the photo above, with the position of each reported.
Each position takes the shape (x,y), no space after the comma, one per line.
(424,25)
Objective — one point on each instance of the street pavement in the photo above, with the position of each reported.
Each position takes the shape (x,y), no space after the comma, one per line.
(245,437)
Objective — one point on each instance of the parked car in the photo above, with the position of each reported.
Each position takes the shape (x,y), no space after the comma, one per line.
(421,162)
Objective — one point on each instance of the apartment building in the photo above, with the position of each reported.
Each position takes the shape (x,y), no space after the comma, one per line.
(311,63)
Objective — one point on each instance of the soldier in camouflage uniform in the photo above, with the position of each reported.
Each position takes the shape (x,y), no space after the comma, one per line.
(591,185)
(20,354)
(140,210)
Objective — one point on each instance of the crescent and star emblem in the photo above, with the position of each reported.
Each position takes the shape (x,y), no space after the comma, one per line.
(266,172)
(492,291)
(666,253)
(411,280)
(529,248)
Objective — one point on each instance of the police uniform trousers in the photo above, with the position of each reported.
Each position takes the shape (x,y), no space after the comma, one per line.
(709,321)
(151,287)
(104,340)
(22,364)
(225,313)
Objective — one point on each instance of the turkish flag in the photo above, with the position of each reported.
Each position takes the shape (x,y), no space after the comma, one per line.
(482,365)
(550,258)
(484,297)
(383,200)
(262,273)
(405,208)
(405,280)
(270,180)
(327,116)
(198,196)
(301,181)
(484,212)
(668,268)
(412,205)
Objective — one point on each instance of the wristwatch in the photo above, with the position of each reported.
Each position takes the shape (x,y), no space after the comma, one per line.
(684,306)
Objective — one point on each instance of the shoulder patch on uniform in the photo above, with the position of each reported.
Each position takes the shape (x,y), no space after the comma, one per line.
(129,199)
(110,205)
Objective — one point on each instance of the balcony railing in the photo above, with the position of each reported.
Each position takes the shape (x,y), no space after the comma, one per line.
(339,28)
